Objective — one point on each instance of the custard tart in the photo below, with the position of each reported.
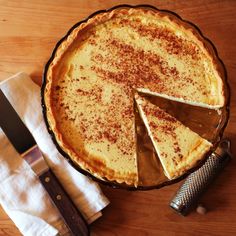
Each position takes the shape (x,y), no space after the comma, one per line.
(95,72)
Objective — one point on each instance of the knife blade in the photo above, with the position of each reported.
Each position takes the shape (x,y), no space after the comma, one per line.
(26,146)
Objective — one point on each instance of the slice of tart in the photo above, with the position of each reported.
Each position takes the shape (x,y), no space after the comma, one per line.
(179,149)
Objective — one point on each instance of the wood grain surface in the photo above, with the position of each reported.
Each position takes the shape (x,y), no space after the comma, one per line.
(29,30)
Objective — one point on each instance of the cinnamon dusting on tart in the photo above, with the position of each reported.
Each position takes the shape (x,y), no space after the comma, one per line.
(92,79)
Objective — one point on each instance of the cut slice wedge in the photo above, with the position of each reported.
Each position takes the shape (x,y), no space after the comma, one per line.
(150,170)
(178,148)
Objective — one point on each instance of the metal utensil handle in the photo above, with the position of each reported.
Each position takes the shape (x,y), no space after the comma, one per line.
(197,182)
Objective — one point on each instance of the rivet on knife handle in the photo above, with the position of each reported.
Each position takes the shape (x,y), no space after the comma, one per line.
(197,182)
(72,217)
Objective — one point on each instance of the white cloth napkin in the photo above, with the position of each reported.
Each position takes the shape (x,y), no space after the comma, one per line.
(21,194)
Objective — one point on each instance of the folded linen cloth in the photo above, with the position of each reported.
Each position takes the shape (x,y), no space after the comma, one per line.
(21,194)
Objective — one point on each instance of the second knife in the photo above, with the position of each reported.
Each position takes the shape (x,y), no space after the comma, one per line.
(24,143)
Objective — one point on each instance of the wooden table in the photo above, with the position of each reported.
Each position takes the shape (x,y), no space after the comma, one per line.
(28,32)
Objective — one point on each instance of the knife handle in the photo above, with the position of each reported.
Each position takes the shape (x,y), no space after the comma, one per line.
(69,212)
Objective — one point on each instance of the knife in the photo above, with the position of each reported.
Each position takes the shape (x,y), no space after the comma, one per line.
(25,145)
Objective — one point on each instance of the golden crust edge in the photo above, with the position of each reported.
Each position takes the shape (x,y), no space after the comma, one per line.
(205,147)
(68,41)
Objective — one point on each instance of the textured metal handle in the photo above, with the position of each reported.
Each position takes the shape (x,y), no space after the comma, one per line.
(197,182)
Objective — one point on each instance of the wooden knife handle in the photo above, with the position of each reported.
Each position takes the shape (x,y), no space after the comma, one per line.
(69,212)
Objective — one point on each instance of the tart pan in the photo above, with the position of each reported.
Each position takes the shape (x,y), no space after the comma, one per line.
(220,126)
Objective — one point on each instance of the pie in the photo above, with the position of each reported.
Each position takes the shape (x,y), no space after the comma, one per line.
(97,69)
(178,148)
